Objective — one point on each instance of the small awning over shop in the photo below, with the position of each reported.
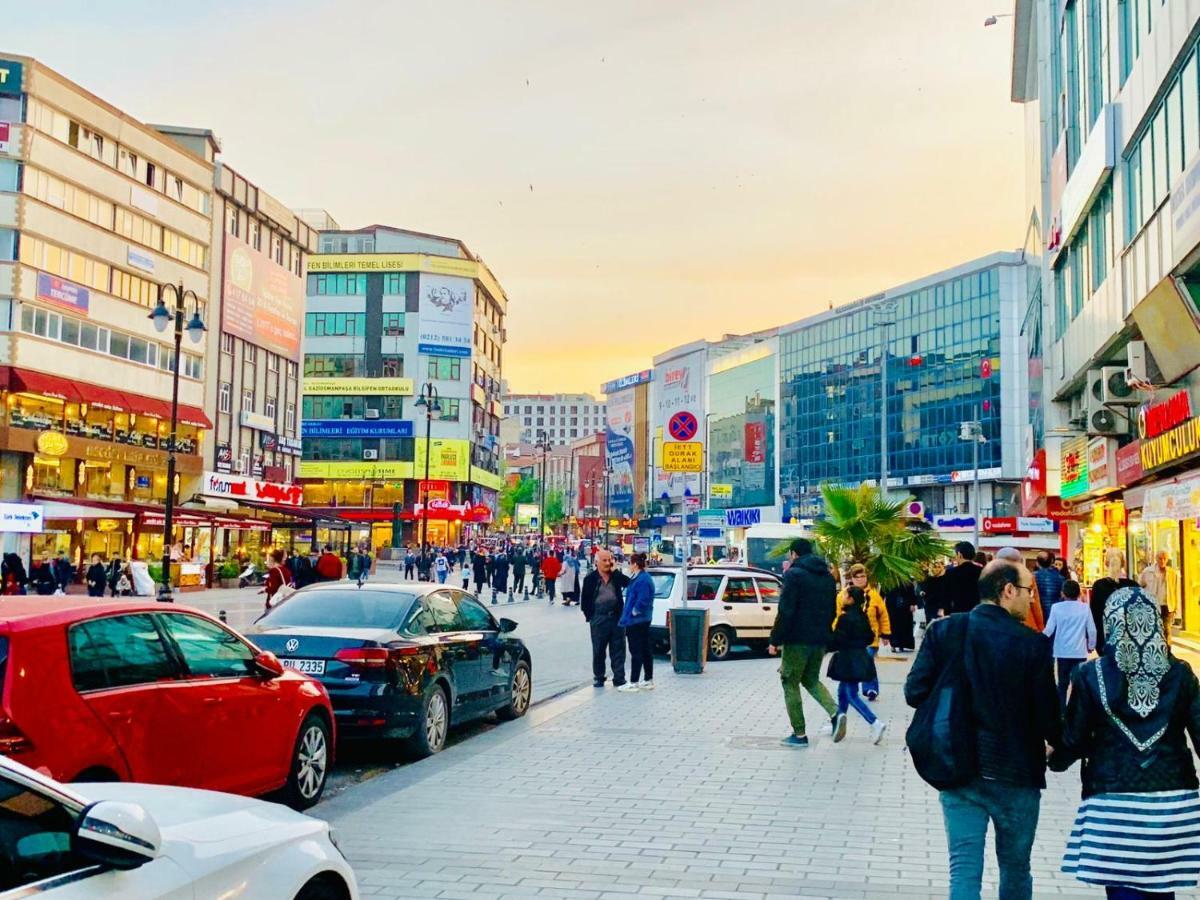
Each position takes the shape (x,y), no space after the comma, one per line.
(55,509)
(25,381)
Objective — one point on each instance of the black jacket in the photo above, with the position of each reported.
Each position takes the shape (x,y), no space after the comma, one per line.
(479,568)
(933,589)
(851,637)
(96,579)
(1010,670)
(1111,762)
(960,588)
(807,604)
(591,584)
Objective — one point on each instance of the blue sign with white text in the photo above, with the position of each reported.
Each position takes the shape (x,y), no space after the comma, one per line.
(11,74)
(743,518)
(347,428)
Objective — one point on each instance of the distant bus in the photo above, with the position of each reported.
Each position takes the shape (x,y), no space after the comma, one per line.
(766,545)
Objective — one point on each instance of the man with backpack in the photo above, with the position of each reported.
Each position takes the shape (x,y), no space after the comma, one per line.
(983,688)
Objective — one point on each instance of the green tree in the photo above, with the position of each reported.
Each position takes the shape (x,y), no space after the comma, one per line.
(525,490)
(554,508)
(860,526)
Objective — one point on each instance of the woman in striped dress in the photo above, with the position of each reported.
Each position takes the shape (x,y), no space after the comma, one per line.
(1138,828)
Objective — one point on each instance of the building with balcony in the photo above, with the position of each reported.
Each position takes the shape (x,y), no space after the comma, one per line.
(97,210)
(393,316)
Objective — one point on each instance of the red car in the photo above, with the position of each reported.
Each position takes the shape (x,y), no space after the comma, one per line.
(97,690)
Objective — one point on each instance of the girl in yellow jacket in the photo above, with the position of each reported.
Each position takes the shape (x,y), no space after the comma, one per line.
(876,615)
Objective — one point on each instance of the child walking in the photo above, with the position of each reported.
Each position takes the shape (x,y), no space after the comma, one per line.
(851,663)
(1074,632)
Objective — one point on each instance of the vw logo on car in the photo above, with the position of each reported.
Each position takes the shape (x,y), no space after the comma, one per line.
(292,646)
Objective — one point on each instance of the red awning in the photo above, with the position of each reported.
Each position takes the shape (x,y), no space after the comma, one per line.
(191,415)
(102,397)
(25,381)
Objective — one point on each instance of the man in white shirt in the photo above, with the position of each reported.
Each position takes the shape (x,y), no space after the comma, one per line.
(1161,582)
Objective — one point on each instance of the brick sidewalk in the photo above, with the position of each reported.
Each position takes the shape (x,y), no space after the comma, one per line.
(684,792)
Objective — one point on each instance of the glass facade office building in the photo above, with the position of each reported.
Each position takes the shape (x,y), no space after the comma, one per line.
(954,353)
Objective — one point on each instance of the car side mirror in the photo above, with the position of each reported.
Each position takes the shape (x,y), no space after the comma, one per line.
(116,834)
(268,664)
(507,625)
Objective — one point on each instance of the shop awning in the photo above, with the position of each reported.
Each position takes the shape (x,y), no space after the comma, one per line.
(54,509)
(26,381)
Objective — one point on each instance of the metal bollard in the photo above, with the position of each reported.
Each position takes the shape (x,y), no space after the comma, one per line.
(510,596)
(221,615)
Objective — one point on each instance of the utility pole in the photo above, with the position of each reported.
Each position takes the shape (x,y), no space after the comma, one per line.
(973,431)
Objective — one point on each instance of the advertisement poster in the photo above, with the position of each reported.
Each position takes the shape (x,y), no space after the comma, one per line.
(619,443)
(262,301)
(678,387)
(447,315)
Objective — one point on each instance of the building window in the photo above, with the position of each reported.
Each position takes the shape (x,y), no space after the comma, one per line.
(227,343)
(289,418)
(446,368)
(393,324)
(328,324)
(225,397)
(393,366)
(256,234)
(244,462)
(393,284)
(233,221)
(336,365)
(450,409)
(272,362)
(247,400)
(322,284)
(269,409)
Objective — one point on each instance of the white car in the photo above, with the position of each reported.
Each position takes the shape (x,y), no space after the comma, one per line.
(154,842)
(741,603)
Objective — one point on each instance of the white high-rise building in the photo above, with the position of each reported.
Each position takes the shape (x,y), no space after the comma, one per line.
(563,418)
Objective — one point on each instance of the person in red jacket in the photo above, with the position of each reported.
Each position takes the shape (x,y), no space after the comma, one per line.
(329,566)
(551,567)
(278,575)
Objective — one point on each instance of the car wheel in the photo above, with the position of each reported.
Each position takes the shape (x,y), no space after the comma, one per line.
(520,691)
(310,763)
(720,642)
(326,886)
(430,736)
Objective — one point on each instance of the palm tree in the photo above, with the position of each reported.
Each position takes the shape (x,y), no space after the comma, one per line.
(861,526)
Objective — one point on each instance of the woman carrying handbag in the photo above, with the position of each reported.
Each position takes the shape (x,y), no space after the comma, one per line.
(279,580)
(852,663)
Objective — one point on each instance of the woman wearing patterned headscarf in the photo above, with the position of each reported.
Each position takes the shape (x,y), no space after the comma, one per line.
(1136,830)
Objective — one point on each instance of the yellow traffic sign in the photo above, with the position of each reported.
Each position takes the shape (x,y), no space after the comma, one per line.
(680,456)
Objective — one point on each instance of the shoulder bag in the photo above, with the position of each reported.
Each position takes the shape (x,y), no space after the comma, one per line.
(941,737)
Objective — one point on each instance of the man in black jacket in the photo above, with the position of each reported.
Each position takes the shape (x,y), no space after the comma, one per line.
(960,584)
(1009,673)
(602,602)
(803,628)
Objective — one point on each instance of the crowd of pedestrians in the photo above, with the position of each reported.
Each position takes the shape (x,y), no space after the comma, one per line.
(1008,683)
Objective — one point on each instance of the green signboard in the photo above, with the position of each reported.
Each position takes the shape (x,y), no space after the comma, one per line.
(11,75)
(1073,467)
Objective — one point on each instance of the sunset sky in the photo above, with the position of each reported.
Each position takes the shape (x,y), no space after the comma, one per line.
(636,174)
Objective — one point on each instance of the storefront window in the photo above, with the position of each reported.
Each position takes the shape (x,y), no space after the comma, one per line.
(387,494)
(39,413)
(53,476)
(337,493)
(103,481)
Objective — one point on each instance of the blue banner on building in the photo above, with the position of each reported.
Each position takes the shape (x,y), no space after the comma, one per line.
(345,428)
(618,425)
(11,75)
(628,381)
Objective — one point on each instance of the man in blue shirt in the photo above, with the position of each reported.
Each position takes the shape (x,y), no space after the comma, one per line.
(1049,582)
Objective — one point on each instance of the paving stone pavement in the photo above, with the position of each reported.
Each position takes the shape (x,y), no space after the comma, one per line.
(683,792)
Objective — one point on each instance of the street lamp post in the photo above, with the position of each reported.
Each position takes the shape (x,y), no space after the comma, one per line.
(973,431)
(427,401)
(543,445)
(884,314)
(161,317)
(607,503)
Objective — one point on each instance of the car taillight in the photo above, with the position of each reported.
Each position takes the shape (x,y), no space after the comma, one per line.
(374,657)
(12,739)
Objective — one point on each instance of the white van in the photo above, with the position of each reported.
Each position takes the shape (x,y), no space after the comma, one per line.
(741,603)
(766,545)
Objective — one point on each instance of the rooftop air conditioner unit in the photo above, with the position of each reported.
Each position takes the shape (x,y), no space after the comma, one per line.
(370,454)
(371,414)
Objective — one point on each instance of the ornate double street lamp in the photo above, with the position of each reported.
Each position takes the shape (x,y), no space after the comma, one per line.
(161,317)
(428,401)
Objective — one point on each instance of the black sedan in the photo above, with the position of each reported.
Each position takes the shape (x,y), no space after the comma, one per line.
(401,660)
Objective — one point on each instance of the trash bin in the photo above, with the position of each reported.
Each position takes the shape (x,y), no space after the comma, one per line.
(689,640)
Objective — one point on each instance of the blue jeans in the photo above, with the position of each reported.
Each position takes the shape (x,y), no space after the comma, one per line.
(442,573)
(1013,812)
(848,696)
(871,687)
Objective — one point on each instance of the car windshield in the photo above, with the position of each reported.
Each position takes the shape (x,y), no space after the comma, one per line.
(663,582)
(351,608)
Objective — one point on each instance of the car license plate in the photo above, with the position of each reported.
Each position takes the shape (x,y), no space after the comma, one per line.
(307,666)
